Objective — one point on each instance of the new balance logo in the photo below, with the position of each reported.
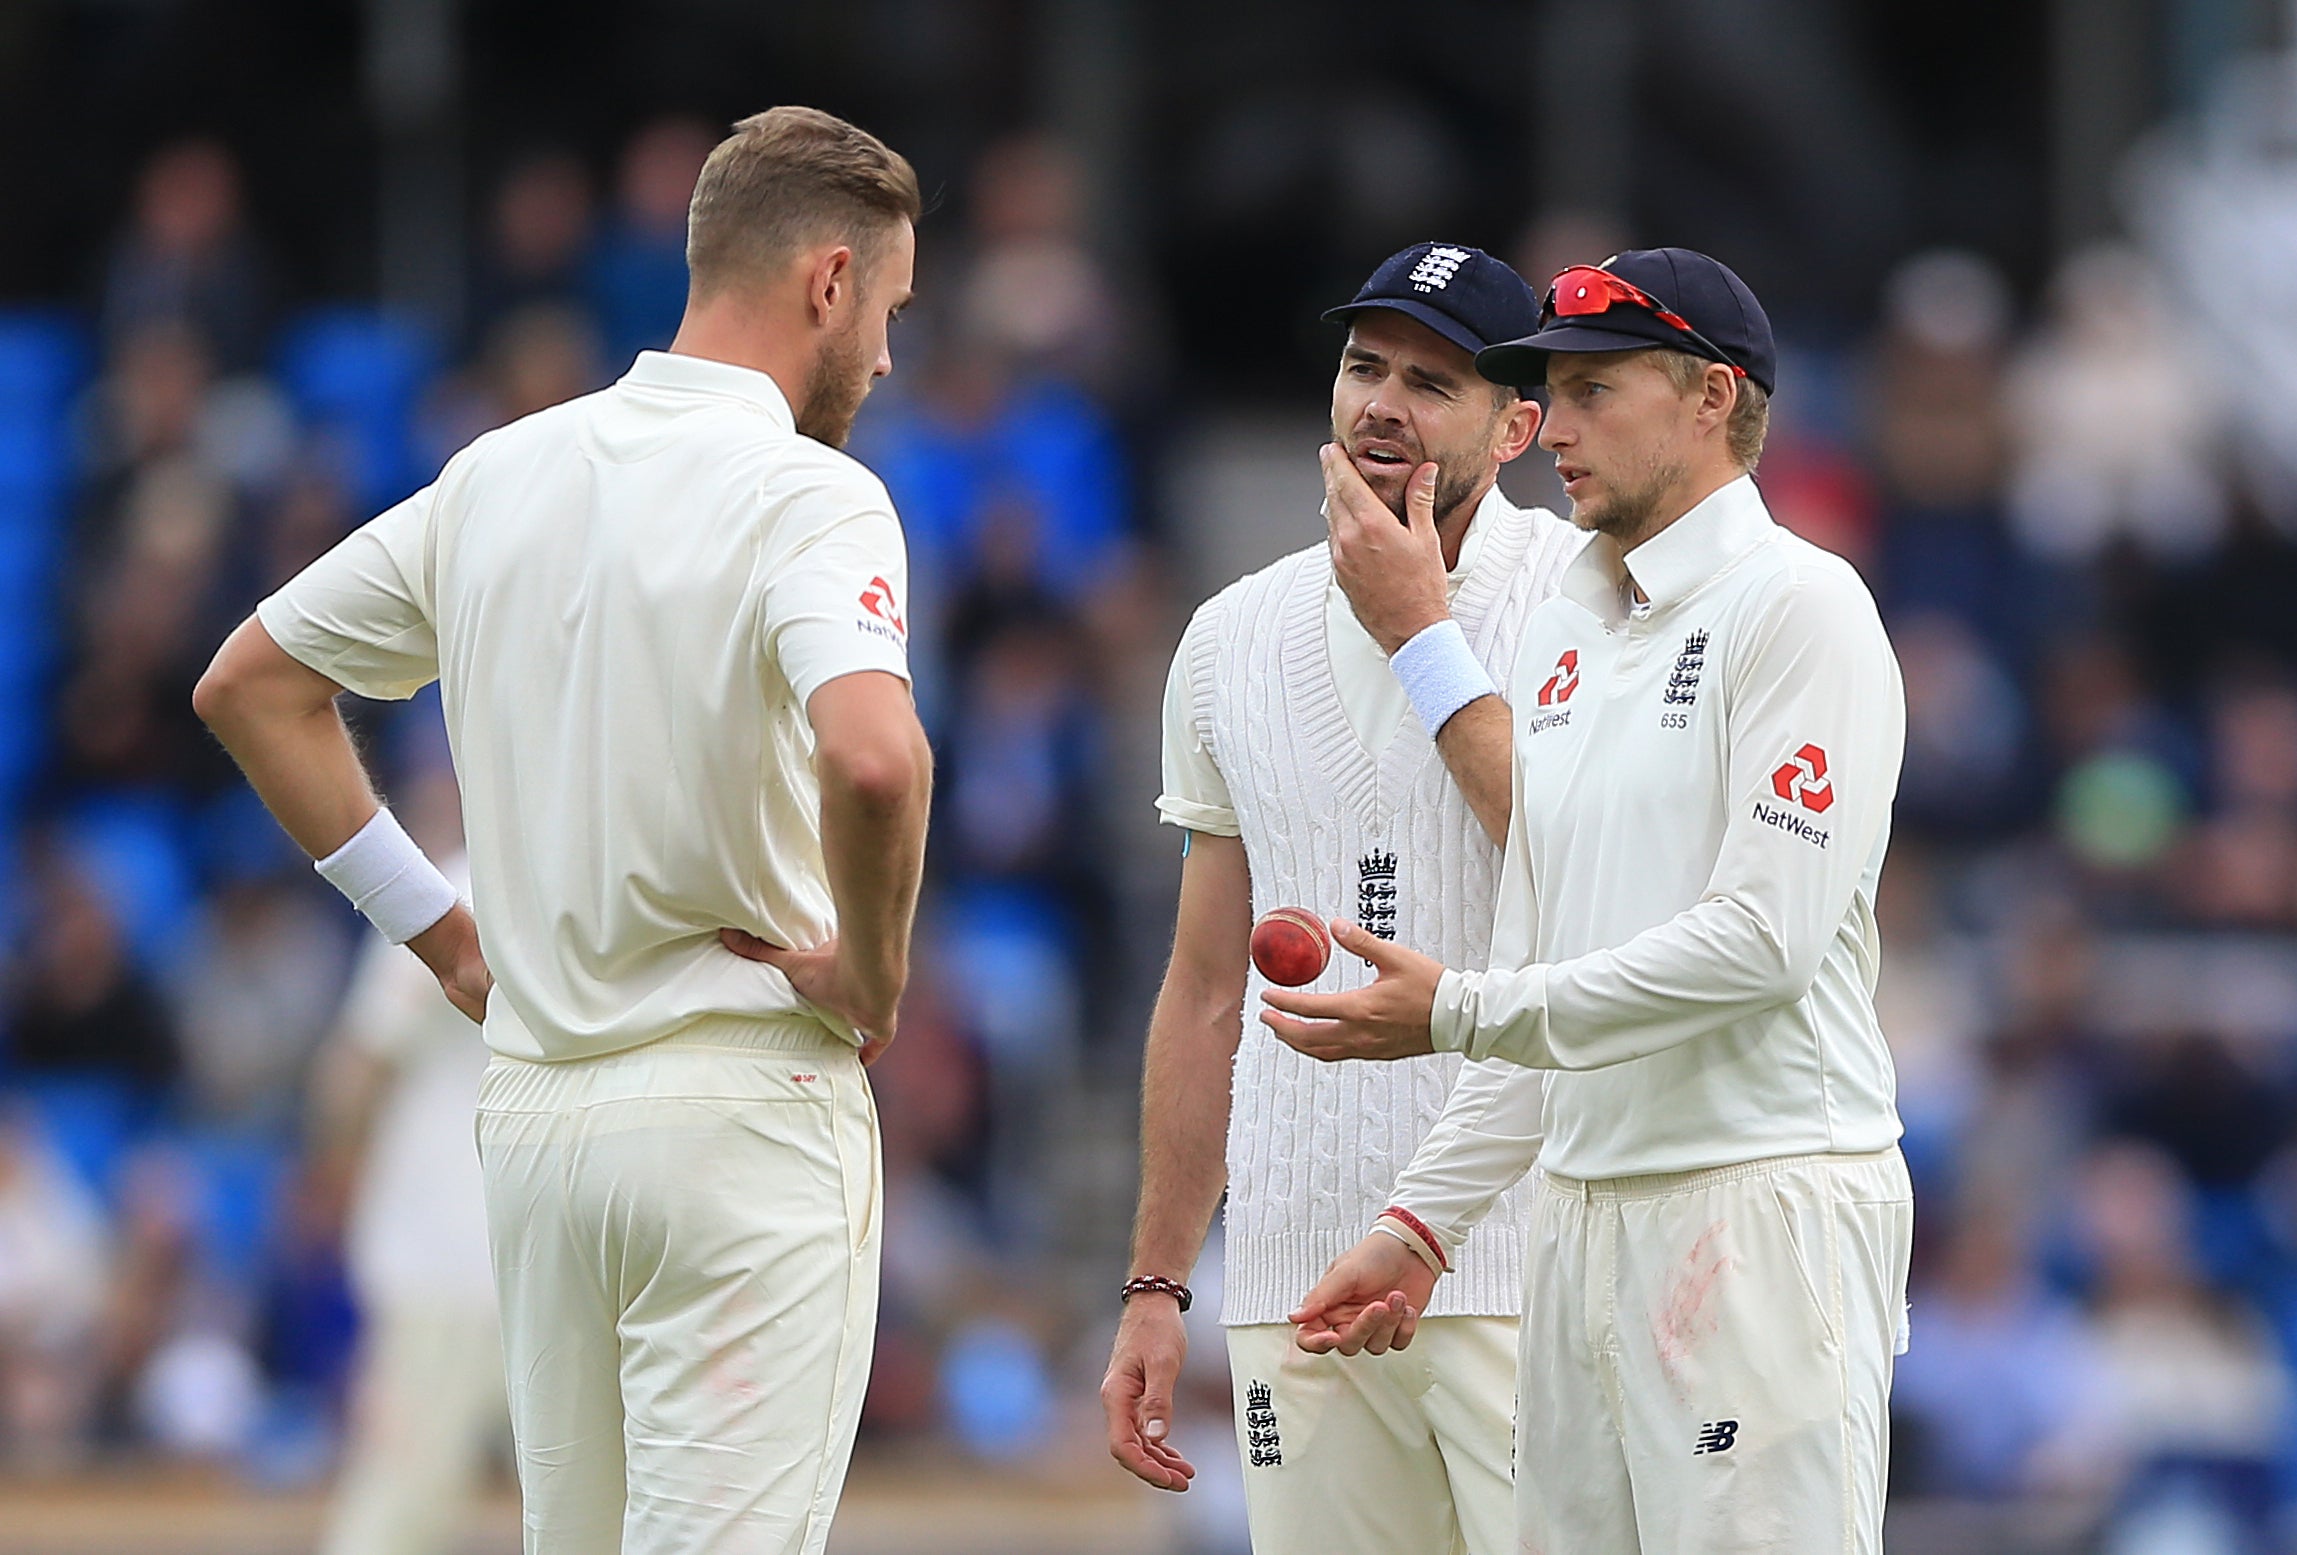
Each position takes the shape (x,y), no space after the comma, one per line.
(1715,1436)
(1260,1427)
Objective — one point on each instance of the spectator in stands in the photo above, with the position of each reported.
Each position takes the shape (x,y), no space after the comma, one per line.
(536,239)
(1938,448)
(2107,363)
(1035,289)
(2000,1368)
(263,985)
(80,1005)
(188,258)
(638,270)
(151,603)
(537,356)
(2187,1388)
(54,1269)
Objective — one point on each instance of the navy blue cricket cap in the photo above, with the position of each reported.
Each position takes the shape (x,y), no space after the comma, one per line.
(1701,308)
(1462,293)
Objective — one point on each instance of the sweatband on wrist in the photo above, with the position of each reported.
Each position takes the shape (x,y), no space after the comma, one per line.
(1441,674)
(1390,1228)
(1413,1232)
(388,879)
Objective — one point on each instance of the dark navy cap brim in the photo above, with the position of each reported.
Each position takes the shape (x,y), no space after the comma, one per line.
(1523,363)
(1442,323)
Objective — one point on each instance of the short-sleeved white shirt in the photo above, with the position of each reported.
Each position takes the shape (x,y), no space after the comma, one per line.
(627,601)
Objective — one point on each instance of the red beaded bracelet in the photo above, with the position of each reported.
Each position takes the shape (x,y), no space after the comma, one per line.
(1420,1229)
(1156,1282)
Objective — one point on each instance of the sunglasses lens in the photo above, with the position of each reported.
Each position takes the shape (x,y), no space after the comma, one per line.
(1580,293)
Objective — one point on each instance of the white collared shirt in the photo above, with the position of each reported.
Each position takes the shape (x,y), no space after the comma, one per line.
(627,600)
(1684,950)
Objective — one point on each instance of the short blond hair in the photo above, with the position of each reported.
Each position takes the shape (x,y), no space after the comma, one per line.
(1750,420)
(787,178)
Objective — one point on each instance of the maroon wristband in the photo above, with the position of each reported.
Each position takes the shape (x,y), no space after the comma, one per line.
(1419,1228)
(1158,1283)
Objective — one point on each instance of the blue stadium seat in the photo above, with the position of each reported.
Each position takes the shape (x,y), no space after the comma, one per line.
(45,357)
(90,1120)
(133,848)
(357,375)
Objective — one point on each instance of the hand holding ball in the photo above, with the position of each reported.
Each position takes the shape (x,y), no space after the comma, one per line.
(1291,946)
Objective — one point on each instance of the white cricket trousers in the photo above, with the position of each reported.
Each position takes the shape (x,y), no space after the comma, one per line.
(685,1247)
(1706,1358)
(427,1406)
(1398,1454)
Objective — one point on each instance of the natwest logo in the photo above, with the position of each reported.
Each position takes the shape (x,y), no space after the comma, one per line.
(1803,780)
(1563,682)
(877,599)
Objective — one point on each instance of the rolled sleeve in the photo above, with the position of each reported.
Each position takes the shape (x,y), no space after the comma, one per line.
(838,603)
(1195,793)
(361,614)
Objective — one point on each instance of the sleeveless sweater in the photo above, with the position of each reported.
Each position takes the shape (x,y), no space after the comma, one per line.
(1314,1149)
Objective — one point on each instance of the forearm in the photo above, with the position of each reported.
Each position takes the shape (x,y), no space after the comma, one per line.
(1184,1127)
(277,718)
(1477,745)
(1712,965)
(1486,1139)
(873,845)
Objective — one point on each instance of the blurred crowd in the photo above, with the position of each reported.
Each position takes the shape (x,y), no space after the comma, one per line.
(172,1212)
(2074,502)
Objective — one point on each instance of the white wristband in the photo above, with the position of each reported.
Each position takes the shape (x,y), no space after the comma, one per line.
(1384,1224)
(1441,674)
(387,878)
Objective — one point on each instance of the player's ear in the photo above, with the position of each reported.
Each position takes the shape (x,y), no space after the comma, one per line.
(1519,427)
(831,282)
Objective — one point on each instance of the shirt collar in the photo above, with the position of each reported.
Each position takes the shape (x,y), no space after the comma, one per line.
(1678,559)
(723,380)
(1479,529)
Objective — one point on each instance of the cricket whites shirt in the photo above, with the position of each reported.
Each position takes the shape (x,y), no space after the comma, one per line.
(627,600)
(1684,950)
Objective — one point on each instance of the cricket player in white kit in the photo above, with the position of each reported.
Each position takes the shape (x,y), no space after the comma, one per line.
(1303,776)
(1708,728)
(396,1087)
(667,623)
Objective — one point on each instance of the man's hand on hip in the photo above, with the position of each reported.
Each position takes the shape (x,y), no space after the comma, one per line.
(822,978)
(1370,1300)
(1393,573)
(1137,1393)
(1386,1019)
(450,948)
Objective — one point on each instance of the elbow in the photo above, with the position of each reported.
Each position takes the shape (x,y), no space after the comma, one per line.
(884,777)
(221,693)
(1777,970)
(1790,971)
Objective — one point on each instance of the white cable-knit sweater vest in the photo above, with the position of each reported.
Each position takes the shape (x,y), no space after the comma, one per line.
(1314,1149)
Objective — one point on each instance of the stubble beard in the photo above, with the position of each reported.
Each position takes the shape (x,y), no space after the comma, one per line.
(835,387)
(1630,516)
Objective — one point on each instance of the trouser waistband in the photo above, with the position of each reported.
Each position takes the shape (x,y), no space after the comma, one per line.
(731,1056)
(1661,1184)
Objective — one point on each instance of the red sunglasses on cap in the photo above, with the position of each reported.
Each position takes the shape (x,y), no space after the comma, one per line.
(1584,291)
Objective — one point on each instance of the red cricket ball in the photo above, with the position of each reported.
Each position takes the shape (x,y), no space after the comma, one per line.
(1290,946)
